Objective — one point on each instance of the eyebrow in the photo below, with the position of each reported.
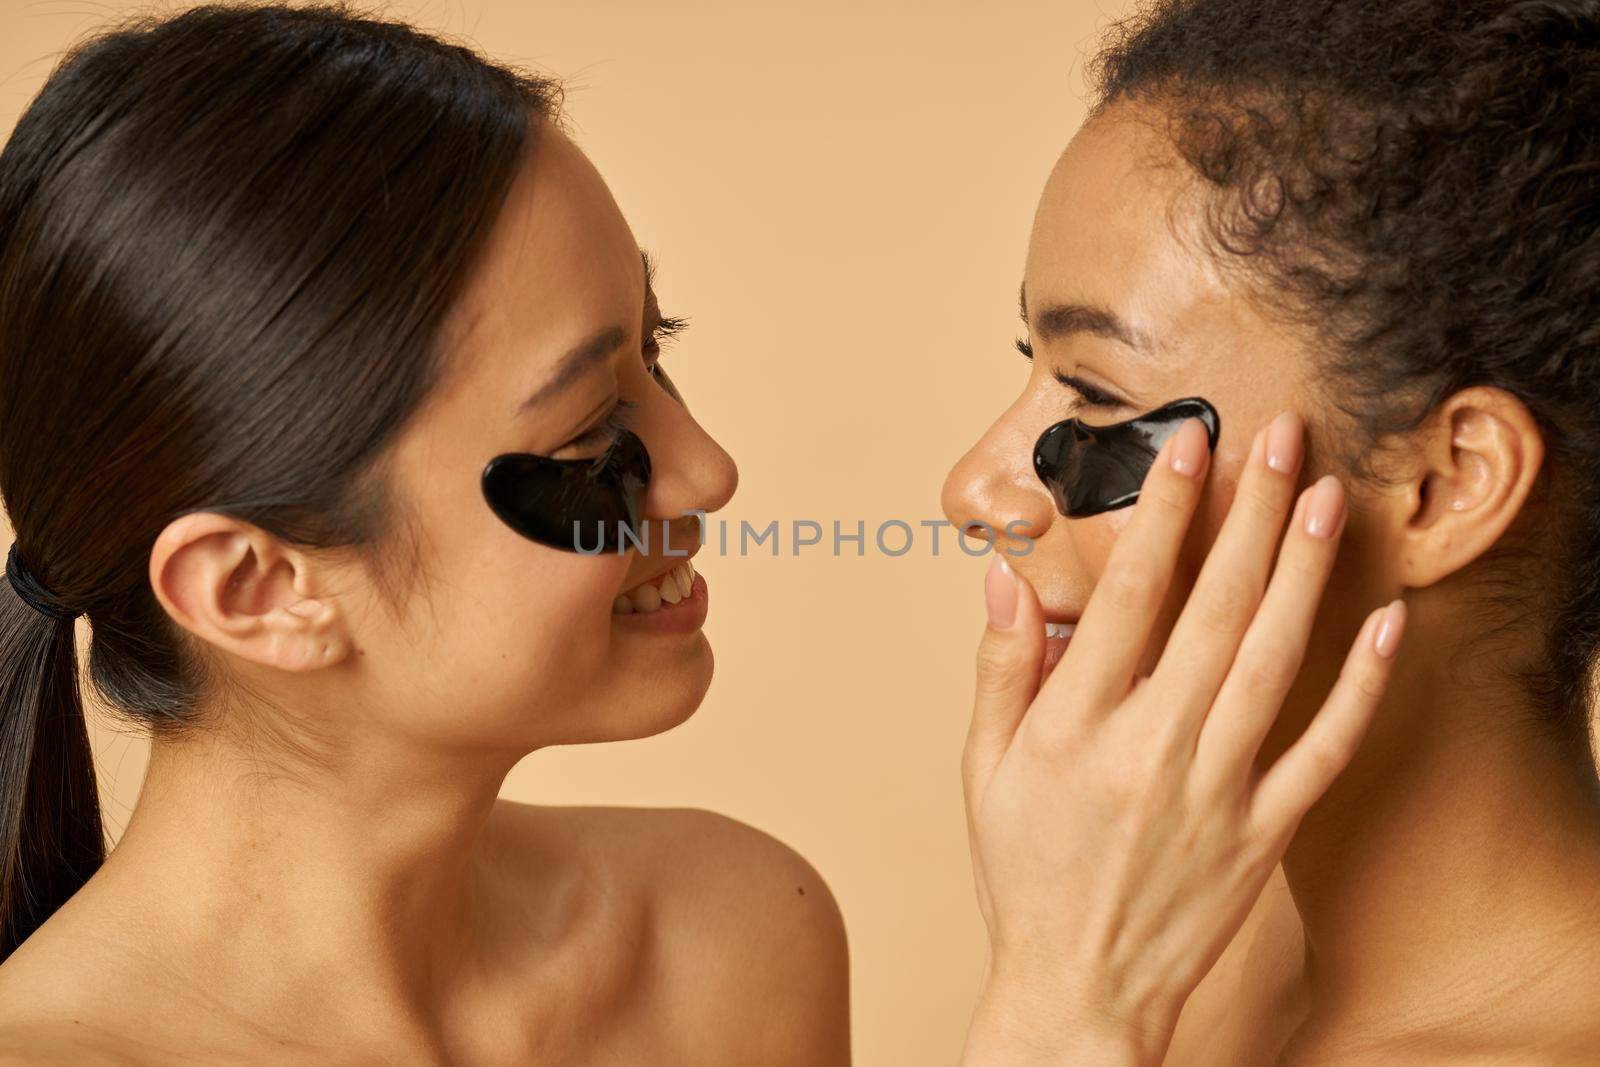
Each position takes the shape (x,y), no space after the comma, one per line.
(1055,321)
(577,360)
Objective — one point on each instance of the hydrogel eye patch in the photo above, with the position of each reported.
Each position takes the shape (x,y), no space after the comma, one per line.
(1090,469)
(568,503)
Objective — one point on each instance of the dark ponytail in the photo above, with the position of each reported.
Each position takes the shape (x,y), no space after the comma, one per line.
(50,837)
(229,242)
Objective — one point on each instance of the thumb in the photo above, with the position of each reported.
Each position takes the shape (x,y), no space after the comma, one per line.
(1010,657)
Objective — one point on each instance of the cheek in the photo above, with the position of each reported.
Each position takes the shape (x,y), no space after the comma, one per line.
(560,612)
(1095,536)
(530,640)
(1065,565)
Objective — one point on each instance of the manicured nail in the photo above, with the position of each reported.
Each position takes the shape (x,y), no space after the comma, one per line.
(1390,629)
(1000,592)
(1283,443)
(1190,447)
(1325,508)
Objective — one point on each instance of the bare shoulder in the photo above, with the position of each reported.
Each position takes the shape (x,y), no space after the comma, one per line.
(23,1044)
(731,907)
(66,998)
(1253,998)
(58,1044)
(54,989)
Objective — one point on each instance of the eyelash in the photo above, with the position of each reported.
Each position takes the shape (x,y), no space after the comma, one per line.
(666,330)
(608,429)
(620,417)
(1092,397)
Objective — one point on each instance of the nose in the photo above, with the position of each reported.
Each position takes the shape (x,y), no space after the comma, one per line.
(689,471)
(992,492)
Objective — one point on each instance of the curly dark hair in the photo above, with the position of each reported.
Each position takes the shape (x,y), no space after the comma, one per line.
(1418,181)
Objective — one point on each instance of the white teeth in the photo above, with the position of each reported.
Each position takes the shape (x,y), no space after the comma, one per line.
(1059,629)
(670,588)
(646,598)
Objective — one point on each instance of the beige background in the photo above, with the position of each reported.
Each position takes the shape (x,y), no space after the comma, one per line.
(839,195)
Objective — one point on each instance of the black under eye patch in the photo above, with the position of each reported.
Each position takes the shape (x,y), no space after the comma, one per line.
(1091,469)
(572,504)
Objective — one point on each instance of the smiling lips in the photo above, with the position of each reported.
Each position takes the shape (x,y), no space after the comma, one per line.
(668,588)
(1057,635)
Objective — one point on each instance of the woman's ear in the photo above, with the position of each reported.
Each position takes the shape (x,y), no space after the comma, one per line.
(1478,457)
(236,587)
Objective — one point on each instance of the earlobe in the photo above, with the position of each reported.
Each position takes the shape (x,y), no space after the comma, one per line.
(1480,454)
(233,586)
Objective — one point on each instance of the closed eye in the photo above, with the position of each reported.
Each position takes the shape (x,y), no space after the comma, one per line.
(603,434)
(1091,395)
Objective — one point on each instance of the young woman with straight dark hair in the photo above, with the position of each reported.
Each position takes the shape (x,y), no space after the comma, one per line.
(276,285)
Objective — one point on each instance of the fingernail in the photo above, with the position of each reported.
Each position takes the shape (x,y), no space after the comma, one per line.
(1325,508)
(1190,447)
(1283,443)
(1390,629)
(1000,592)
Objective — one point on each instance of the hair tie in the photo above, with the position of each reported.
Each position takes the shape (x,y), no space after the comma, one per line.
(33,592)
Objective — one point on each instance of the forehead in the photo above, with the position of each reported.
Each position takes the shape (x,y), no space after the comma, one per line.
(1108,196)
(1120,225)
(1108,229)
(560,264)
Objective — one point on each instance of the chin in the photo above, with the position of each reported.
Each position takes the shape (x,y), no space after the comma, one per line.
(658,698)
(676,697)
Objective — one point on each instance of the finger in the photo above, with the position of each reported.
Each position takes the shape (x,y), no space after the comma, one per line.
(1303,773)
(1111,634)
(1010,657)
(1274,646)
(1205,639)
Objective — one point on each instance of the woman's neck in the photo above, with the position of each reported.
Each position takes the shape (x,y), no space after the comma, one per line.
(319,868)
(1453,872)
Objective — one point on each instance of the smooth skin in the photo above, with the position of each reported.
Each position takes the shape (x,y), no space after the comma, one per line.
(325,872)
(1440,903)
(1175,833)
